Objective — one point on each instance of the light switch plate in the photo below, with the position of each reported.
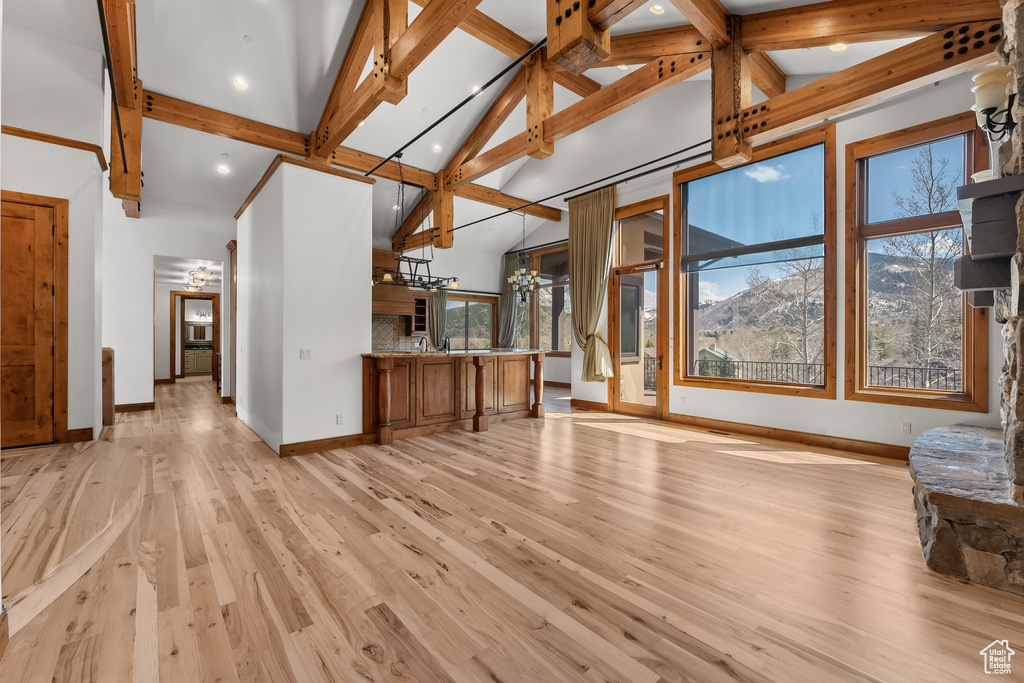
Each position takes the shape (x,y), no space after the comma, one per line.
(305,354)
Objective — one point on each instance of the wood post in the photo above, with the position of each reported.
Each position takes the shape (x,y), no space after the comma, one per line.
(730,95)
(385,432)
(480,418)
(538,385)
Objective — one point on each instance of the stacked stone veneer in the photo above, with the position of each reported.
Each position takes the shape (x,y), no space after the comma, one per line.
(969,481)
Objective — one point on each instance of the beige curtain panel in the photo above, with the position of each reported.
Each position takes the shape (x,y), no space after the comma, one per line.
(507,306)
(437,318)
(591,226)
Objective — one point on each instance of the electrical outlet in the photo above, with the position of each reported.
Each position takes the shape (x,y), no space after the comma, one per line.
(682,400)
(305,354)
(340,417)
(905,426)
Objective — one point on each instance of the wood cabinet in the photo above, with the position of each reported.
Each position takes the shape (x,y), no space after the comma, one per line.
(418,324)
(426,393)
(198,362)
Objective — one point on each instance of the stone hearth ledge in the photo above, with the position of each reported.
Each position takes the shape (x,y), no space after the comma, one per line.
(969,524)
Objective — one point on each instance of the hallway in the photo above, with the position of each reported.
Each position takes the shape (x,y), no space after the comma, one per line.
(583,547)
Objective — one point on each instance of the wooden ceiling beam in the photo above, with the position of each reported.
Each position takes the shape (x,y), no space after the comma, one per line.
(574,43)
(853,21)
(924,61)
(643,46)
(437,20)
(485,129)
(540,105)
(708,17)
(628,90)
(513,45)
(346,109)
(730,95)
(604,14)
(126,185)
(120,16)
(420,239)
(766,74)
(196,117)
(413,221)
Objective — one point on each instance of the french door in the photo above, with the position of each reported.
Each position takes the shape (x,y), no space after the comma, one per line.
(639,386)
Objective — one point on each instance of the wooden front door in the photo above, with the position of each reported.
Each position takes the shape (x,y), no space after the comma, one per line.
(27,321)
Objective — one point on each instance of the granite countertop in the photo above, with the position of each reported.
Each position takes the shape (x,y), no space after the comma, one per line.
(460,352)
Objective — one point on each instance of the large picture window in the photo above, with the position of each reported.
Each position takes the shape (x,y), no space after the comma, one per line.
(554,304)
(910,333)
(756,261)
(469,321)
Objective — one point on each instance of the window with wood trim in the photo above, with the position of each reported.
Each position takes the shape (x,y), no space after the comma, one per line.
(755,247)
(912,338)
(545,321)
(470,321)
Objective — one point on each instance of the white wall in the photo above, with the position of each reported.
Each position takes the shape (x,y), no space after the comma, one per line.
(193,307)
(166,229)
(260,333)
(848,419)
(323,305)
(52,171)
(328,308)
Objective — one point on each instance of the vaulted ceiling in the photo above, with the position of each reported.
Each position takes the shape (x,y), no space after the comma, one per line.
(290,52)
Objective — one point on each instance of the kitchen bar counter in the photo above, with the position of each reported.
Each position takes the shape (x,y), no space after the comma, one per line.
(411,394)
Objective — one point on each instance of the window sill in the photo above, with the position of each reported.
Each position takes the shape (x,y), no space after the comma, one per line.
(935,401)
(779,389)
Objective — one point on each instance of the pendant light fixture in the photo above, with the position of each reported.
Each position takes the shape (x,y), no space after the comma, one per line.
(523,280)
(201,273)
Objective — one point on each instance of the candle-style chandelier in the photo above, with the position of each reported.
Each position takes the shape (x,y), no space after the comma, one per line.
(523,281)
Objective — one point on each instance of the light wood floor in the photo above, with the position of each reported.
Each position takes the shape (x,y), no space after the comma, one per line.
(580,548)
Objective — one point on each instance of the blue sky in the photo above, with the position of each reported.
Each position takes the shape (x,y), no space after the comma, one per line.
(783,198)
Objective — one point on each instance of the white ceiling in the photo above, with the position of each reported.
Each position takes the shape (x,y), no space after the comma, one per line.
(193,49)
(174,270)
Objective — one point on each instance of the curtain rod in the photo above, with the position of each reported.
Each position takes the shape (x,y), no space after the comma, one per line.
(461,104)
(601,180)
(113,86)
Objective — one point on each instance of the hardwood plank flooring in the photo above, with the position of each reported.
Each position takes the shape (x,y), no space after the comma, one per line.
(584,547)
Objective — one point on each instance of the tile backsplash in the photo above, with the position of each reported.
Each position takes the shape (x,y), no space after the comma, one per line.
(387,329)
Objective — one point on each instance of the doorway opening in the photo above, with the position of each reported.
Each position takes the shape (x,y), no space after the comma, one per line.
(638,310)
(187,328)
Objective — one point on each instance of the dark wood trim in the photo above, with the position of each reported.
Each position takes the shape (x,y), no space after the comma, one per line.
(79,435)
(60,304)
(158,382)
(229,400)
(456,295)
(821,135)
(282,159)
(557,385)
(5,632)
(57,140)
(135,407)
(588,405)
(974,397)
(871,448)
(175,349)
(306,447)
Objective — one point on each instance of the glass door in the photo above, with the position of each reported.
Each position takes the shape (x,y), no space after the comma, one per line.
(637,302)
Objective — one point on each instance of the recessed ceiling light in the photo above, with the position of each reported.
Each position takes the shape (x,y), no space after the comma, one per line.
(223,169)
(437,148)
(657,9)
(623,67)
(360,124)
(247,38)
(837,47)
(395,207)
(241,83)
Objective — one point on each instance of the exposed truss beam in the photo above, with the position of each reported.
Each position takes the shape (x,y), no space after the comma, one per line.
(924,61)
(730,95)
(574,43)
(540,105)
(643,46)
(486,195)
(708,17)
(483,28)
(196,117)
(852,21)
(604,14)
(628,90)
(127,185)
(120,16)
(413,221)
(485,129)
(767,75)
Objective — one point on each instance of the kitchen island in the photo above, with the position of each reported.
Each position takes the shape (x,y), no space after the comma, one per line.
(412,394)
